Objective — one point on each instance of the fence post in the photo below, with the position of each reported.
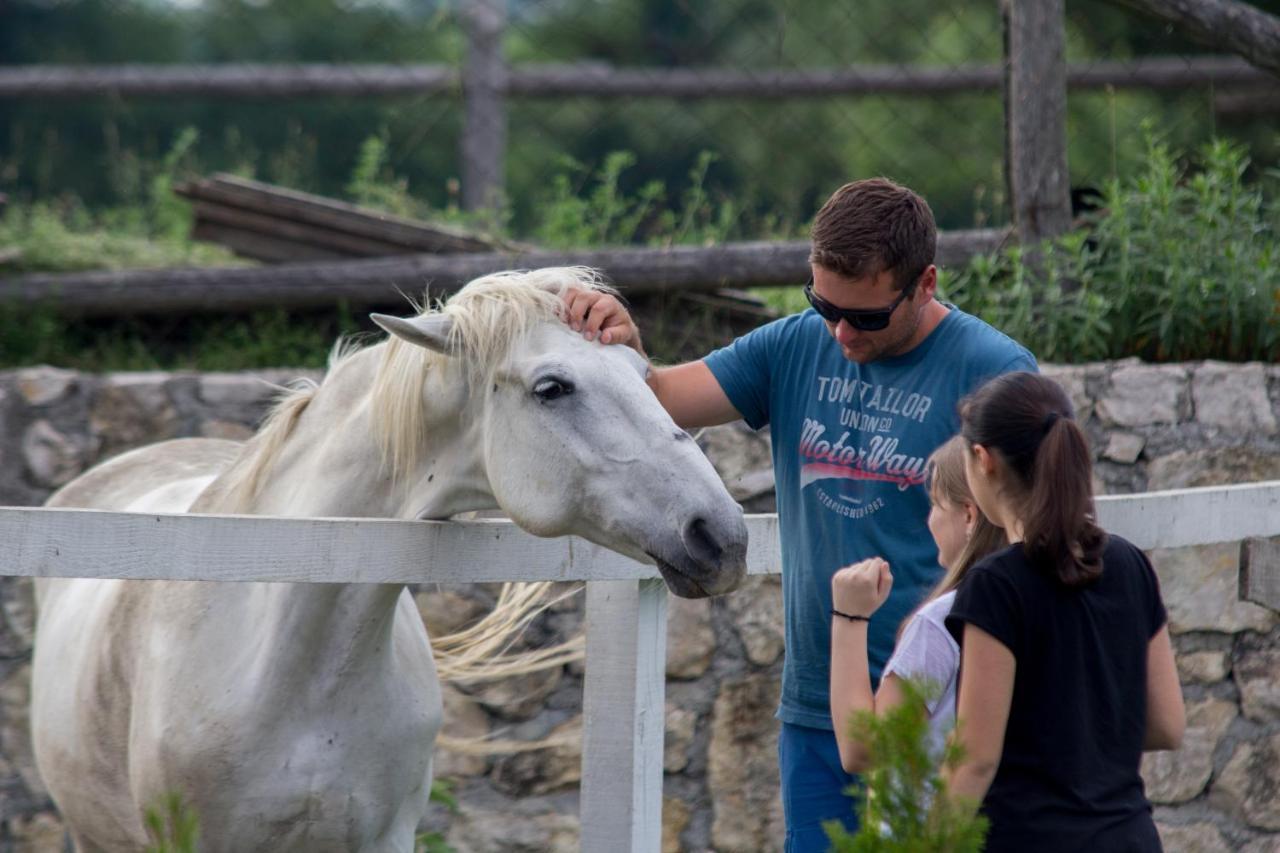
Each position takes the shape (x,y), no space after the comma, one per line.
(624,710)
(484,81)
(1036,118)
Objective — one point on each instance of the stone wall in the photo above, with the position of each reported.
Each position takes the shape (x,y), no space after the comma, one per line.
(1152,427)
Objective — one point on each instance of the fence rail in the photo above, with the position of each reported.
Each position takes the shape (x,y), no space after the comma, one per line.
(597,79)
(381,281)
(624,697)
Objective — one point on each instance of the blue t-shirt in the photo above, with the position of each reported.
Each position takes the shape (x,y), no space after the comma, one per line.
(849,448)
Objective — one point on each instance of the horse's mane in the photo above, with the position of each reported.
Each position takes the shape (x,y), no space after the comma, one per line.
(489,316)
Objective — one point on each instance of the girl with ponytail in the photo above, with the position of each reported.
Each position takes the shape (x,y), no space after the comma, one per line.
(1067,671)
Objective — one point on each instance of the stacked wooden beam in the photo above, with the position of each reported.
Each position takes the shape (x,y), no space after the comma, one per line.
(277,225)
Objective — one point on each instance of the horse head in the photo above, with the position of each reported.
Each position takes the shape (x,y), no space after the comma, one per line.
(570,438)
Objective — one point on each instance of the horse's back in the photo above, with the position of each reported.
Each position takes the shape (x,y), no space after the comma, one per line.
(163,477)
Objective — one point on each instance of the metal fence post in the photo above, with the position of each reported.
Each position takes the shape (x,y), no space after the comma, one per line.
(624,710)
(484,83)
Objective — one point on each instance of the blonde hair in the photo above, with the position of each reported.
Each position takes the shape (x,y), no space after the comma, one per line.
(948,486)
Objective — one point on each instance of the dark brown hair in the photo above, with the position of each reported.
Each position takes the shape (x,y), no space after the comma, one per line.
(1026,420)
(874,225)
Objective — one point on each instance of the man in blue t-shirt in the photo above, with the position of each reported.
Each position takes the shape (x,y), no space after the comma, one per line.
(857,391)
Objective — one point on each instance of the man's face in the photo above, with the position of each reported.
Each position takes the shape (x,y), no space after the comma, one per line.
(873,293)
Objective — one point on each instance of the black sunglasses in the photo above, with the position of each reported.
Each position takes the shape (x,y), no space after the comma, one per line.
(864,320)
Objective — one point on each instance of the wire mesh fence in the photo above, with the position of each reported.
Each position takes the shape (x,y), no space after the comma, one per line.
(721,119)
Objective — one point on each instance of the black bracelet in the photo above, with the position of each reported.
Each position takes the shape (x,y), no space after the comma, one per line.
(850,616)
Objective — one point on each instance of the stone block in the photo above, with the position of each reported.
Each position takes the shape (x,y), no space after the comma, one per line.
(53,459)
(1220,466)
(1249,785)
(519,697)
(675,817)
(492,829)
(15,729)
(467,725)
(446,612)
(1233,398)
(17,617)
(1145,395)
(1262,844)
(756,610)
(1203,667)
(540,771)
(1192,838)
(1074,380)
(237,391)
(677,738)
(690,640)
(1178,776)
(1200,588)
(742,766)
(229,430)
(130,410)
(741,456)
(1124,447)
(1257,674)
(37,833)
(40,386)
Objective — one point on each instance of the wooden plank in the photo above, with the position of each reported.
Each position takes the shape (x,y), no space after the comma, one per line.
(300,234)
(1036,119)
(484,125)
(251,244)
(40,82)
(90,543)
(1260,571)
(239,80)
(1203,516)
(624,717)
(1242,28)
(1248,103)
(381,281)
(299,207)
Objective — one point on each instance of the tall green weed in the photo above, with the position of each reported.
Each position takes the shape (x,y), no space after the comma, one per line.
(903,804)
(1179,264)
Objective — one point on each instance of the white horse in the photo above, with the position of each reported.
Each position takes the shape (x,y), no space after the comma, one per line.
(296,717)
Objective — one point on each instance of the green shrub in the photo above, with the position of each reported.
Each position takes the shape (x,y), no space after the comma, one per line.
(1178,265)
(903,805)
(172,826)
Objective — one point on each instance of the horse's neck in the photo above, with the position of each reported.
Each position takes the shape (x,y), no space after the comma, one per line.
(330,466)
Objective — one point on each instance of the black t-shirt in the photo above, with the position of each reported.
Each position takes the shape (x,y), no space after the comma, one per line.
(1068,777)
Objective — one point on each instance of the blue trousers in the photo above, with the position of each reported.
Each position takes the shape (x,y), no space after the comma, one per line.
(813,787)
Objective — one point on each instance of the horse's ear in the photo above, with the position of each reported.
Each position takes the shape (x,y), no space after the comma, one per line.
(429,330)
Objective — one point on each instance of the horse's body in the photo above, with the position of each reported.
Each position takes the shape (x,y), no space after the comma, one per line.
(295,717)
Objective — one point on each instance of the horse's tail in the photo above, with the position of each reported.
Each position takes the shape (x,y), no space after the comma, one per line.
(483,651)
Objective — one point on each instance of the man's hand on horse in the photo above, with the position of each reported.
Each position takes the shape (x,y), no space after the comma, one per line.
(601,315)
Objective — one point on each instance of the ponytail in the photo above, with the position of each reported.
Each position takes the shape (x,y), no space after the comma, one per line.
(1059,528)
(1027,420)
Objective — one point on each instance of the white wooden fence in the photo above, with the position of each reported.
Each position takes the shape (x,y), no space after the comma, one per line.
(621,798)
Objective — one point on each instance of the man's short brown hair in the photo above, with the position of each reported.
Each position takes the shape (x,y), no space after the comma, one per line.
(870,226)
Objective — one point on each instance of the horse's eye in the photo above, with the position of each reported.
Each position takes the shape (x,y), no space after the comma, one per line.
(552,389)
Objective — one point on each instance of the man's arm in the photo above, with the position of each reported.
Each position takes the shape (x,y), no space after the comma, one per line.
(689,392)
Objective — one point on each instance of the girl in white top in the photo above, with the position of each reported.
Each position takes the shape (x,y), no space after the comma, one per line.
(925,649)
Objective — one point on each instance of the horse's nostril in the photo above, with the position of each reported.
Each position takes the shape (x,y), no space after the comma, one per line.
(700,543)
